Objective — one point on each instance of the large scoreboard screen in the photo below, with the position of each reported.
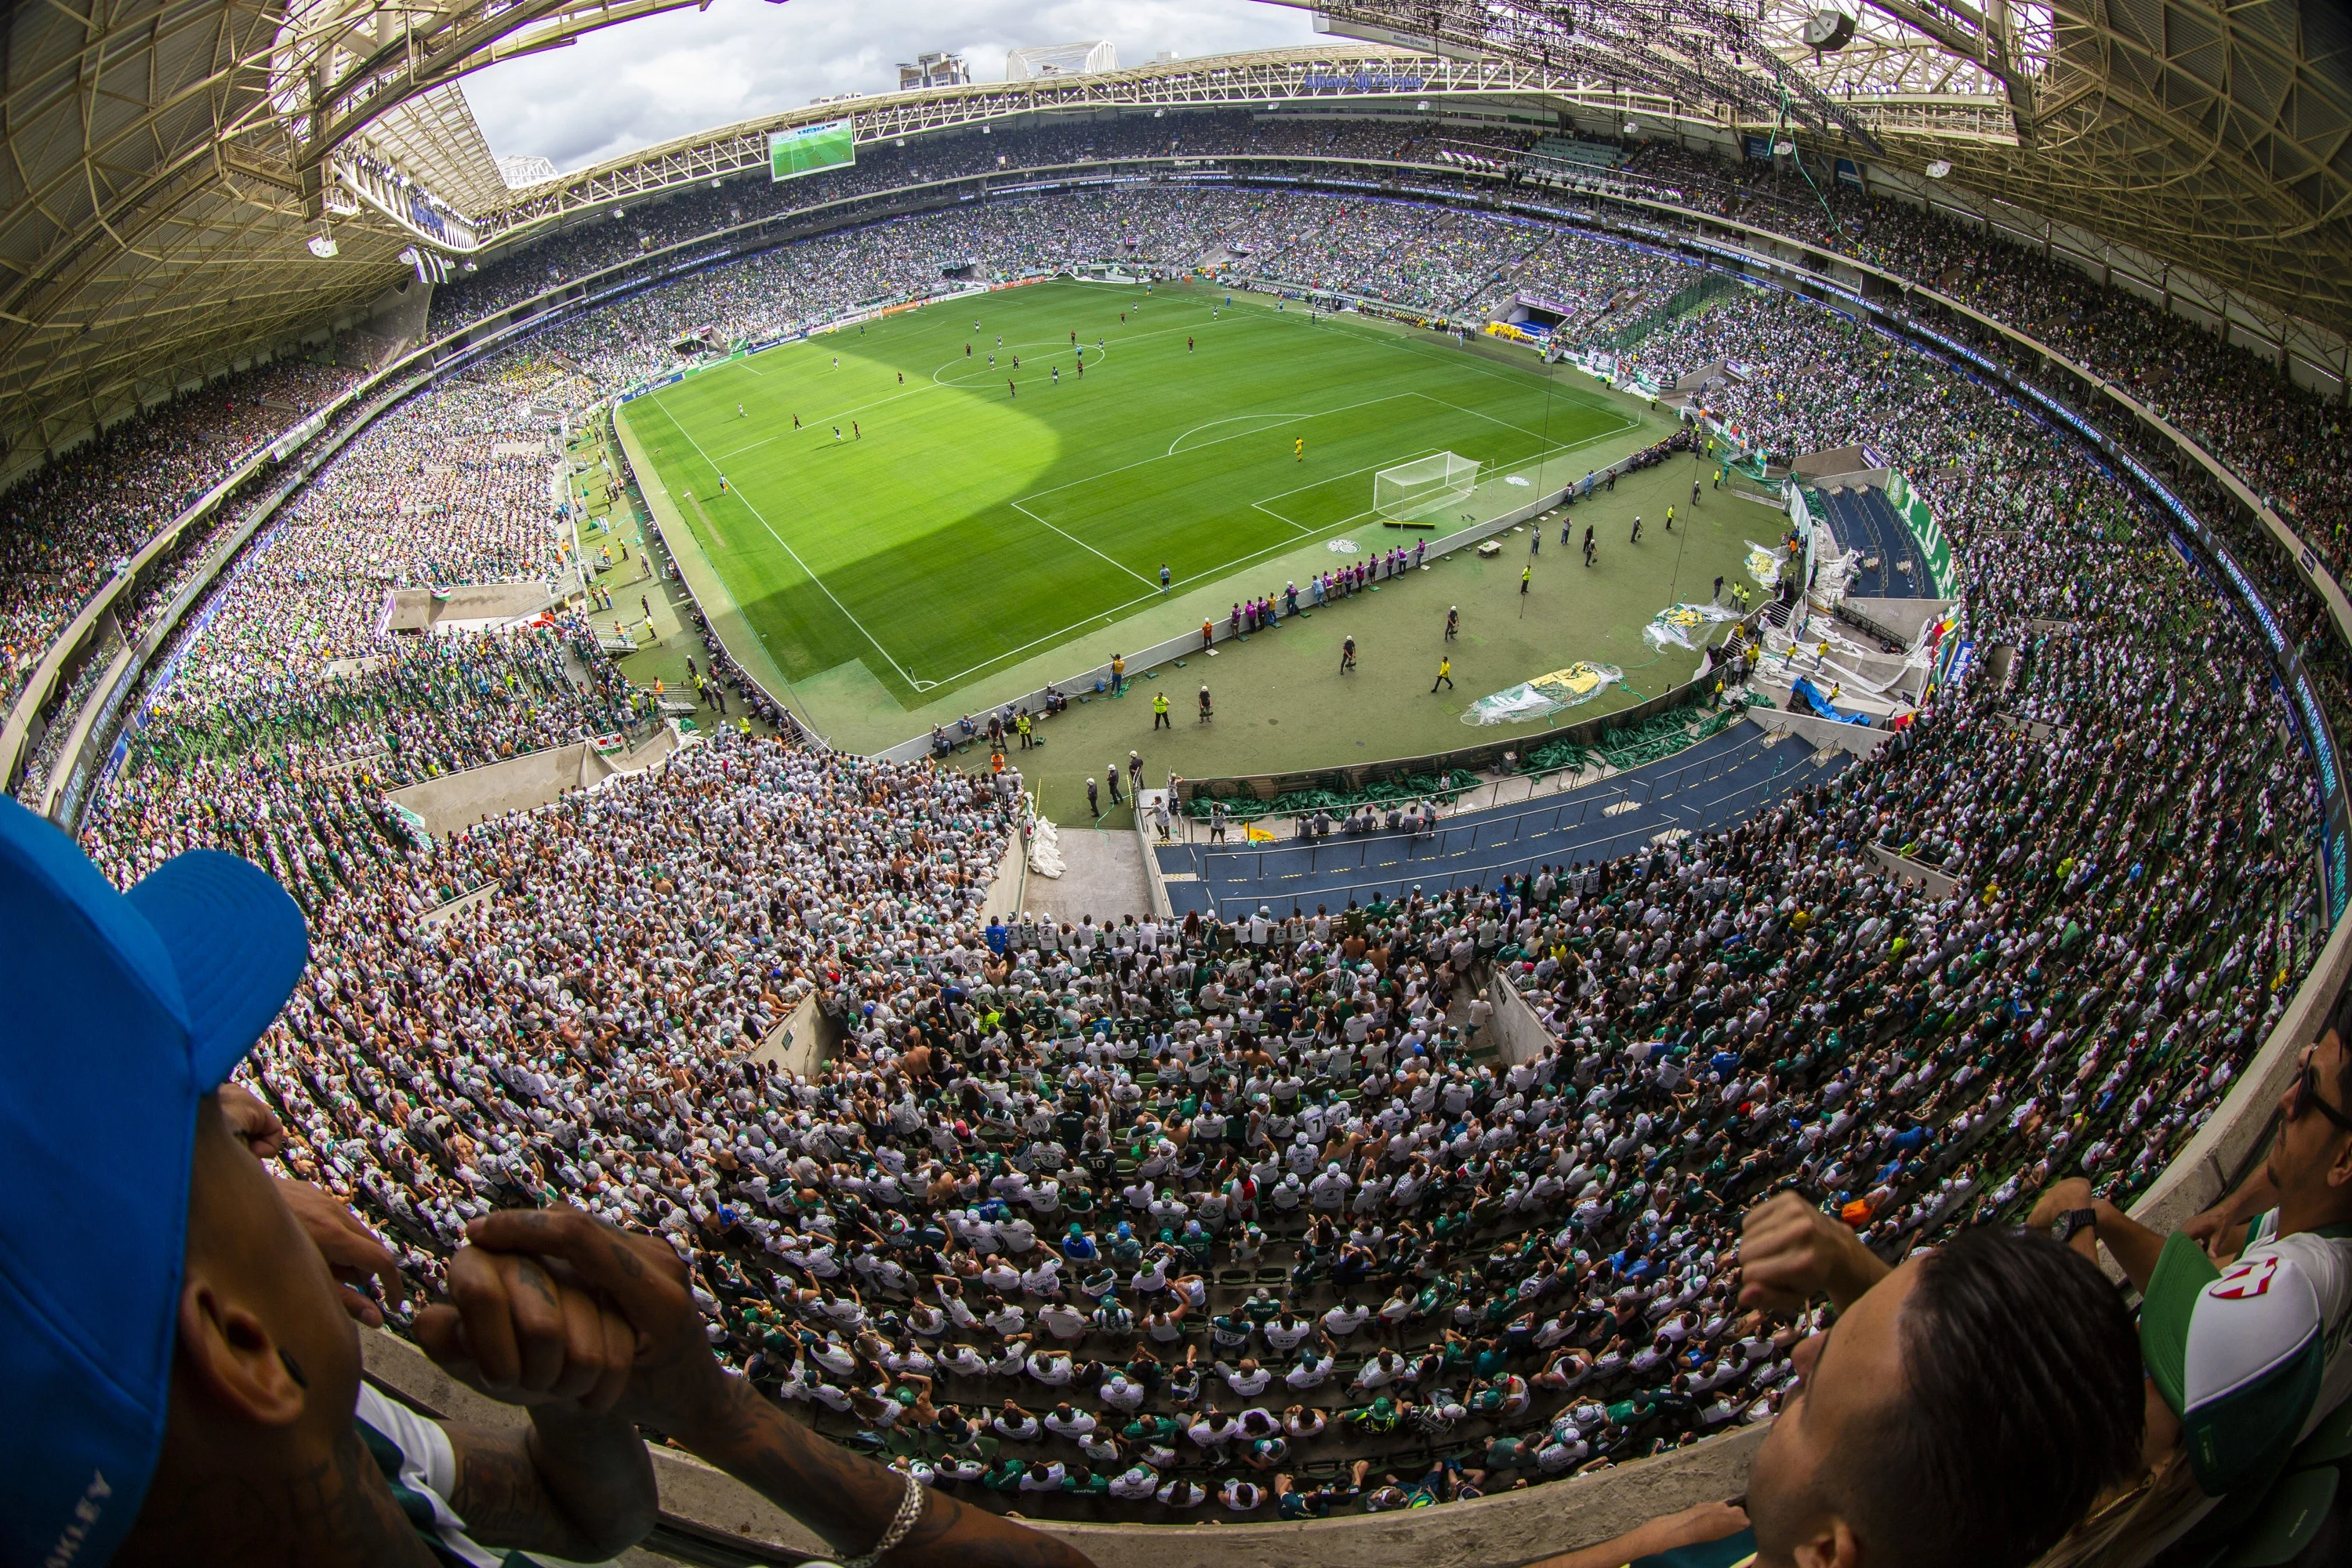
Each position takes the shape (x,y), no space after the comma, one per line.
(809,149)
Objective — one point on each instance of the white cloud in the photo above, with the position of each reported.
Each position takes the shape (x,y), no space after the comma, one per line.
(668,76)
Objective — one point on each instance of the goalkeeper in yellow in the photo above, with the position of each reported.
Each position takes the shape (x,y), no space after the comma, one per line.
(1298,450)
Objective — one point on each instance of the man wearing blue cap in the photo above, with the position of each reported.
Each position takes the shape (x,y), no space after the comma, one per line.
(196,1375)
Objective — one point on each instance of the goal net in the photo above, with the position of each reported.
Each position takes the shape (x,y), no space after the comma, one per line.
(1423,486)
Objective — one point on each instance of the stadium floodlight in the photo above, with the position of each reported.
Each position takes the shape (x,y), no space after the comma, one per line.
(1633,128)
(1829,29)
(323,246)
(1425,485)
(1938,169)
(1784,148)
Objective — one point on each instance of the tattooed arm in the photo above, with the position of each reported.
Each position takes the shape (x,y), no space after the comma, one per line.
(575,1487)
(849,1499)
(678,1388)
(577,1483)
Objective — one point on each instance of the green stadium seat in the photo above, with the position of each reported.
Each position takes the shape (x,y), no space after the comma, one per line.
(2330,1441)
(2288,1520)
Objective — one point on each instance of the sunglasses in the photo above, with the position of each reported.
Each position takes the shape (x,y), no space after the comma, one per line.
(2306,1094)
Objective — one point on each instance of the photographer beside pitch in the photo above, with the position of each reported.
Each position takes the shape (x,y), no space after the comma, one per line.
(193,1364)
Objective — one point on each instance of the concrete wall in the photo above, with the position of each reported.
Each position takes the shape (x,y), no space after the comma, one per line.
(1905,617)
(1861,740)
(802,1043)
(1148,835)
(1936,882)
(2226,1147)
(1519,1034)
(462,799)
(1830,460)
(1498,1531)
(1006,887)
(487,603)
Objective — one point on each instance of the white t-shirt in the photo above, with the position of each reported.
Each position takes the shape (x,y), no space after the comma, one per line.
(421,1466)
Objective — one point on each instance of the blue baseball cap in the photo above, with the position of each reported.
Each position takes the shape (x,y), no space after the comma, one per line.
(123,1011)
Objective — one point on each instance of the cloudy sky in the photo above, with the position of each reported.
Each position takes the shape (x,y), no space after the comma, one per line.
(642,82)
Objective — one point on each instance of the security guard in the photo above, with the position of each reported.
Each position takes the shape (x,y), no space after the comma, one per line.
(1159,720)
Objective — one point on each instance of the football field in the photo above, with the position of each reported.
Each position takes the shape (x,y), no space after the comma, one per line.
(895,500)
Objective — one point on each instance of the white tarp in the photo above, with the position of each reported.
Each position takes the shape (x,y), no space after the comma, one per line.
(1677,623)
(1545,695)
(1045,849)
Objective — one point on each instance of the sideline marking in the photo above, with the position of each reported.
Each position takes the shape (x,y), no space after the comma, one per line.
(704,516)
(795,554)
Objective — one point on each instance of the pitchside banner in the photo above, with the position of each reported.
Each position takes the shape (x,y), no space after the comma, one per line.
(811,149)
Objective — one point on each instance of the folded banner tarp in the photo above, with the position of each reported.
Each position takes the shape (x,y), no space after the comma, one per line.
(1545,695)
(1676,624)
(413,823)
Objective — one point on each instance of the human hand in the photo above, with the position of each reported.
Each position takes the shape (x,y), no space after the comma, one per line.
(1696,1524)
(1790,1252)
(675,1384)
(251,1120)
(521,1332)
(353,1253)
(2218,1230)
(2059,1197)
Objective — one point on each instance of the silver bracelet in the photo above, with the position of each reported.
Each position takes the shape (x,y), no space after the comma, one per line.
(910,1513)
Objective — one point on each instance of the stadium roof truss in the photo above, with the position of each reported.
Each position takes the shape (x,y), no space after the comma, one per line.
(2214,134)
(2210,136)
(169,162)
(1286,79)
(163,181)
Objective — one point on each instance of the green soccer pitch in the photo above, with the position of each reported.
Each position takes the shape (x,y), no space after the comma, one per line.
(969,515)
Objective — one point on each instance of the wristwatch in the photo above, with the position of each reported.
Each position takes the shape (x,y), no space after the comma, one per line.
(2072,1222)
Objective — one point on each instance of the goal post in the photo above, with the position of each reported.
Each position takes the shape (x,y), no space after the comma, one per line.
(1425,485)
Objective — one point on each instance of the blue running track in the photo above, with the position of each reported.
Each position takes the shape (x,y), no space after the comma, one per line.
(1715,784)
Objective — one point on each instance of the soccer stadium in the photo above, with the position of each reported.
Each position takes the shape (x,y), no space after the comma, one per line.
(1536,783)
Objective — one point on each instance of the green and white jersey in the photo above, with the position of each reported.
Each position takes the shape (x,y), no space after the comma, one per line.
(2251,1357)
(421,1468)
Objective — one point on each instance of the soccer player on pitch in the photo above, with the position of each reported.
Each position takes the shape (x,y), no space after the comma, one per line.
(1298,450)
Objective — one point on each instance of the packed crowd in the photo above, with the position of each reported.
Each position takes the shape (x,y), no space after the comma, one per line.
(64,529)
(291,772)
(1251,1218)
(451,487)
(590,246)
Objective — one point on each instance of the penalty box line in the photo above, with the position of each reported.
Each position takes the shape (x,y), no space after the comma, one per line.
(1225,569)
(1537,458)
